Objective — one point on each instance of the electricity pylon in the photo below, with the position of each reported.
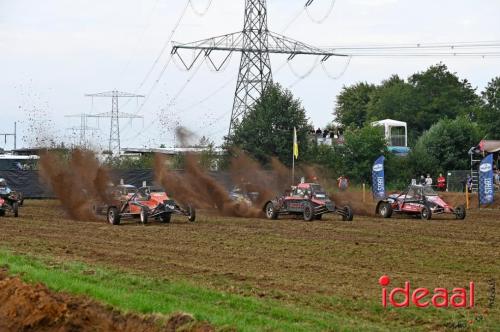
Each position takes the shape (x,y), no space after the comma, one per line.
(14,135)
(115,115)
(255,43)
(83,129)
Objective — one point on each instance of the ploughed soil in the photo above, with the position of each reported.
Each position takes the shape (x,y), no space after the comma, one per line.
(25,307)
(287,259)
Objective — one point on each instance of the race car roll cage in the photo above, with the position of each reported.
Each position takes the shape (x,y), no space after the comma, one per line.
(166,207)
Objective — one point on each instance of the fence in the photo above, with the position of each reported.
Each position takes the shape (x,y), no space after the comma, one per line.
(32,185)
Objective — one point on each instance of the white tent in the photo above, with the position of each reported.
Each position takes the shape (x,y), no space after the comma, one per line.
(394,138)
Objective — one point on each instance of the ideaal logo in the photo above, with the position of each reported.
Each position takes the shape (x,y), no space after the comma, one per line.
(423,297)
(378,167)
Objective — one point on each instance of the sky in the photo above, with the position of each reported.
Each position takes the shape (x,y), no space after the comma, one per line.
(54,52)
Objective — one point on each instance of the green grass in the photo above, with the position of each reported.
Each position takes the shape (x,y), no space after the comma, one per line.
(129,292)
(134,293)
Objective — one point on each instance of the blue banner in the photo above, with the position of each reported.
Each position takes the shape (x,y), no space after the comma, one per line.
(378,178)
(486,181)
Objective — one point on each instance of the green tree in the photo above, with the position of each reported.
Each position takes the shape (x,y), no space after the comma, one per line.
(352,103)
(362,147)
(267,129)
(441,94)
(394,99)
(490,113)
(444,146)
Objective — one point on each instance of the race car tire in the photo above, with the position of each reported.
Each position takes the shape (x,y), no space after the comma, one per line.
(460,212)
(384,209)
(15,209)
(426,213)
(113,216)
(308,211)
(165,218)
(144,216)
(192,213)
(318,217)
(348,213)
(271,212)
(2,213)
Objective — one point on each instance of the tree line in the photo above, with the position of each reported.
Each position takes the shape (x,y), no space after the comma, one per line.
(446,116)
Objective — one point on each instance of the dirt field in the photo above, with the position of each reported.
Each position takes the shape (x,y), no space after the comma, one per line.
(25,307)
(289,260)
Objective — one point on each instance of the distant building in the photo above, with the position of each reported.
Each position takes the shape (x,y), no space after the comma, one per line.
(10,162)
(396,135)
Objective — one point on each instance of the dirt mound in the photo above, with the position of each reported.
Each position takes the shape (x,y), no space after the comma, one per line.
(25,307)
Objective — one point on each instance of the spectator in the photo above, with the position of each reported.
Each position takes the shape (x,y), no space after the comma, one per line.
(422,180)
(441,182)
(343,183)
(469,183)
(428,180)
(318,132)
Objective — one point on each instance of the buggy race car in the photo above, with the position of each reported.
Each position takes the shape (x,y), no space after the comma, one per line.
(308,200)
(239,195)
(143,203)
(9,201)
(420,201)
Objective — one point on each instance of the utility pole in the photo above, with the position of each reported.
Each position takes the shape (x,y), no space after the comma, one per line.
(255,43)
(83,129)
(115,115)
(14,134)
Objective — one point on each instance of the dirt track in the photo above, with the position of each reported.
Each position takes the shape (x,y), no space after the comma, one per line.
(285,259)
(25,307)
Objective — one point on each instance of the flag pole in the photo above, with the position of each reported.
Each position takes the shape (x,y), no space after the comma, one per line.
(295,153)
(293,166)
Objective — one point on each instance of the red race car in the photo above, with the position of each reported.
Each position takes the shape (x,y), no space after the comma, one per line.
(9,203)
(418,200)
(143,203)
(308,200)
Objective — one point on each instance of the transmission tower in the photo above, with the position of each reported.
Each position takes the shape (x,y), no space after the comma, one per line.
(14,135)
(83,129)
(115,115)
(255,43)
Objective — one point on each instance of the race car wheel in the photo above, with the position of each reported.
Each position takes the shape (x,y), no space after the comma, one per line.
(460,212)
(15,209)
(271,211)
(192,213)
(2,213)
(165,218)
(144,216)
(308,211)
(426,213)
(113,216)
(348,215)
(319,217)
(385,210)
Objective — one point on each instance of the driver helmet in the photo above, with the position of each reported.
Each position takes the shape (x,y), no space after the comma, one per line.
(3,183)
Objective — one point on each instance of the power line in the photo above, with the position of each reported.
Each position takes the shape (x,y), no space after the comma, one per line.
(204,11)
(325,17)
(341,73)
(141,35)
(165,45)
(179,92)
